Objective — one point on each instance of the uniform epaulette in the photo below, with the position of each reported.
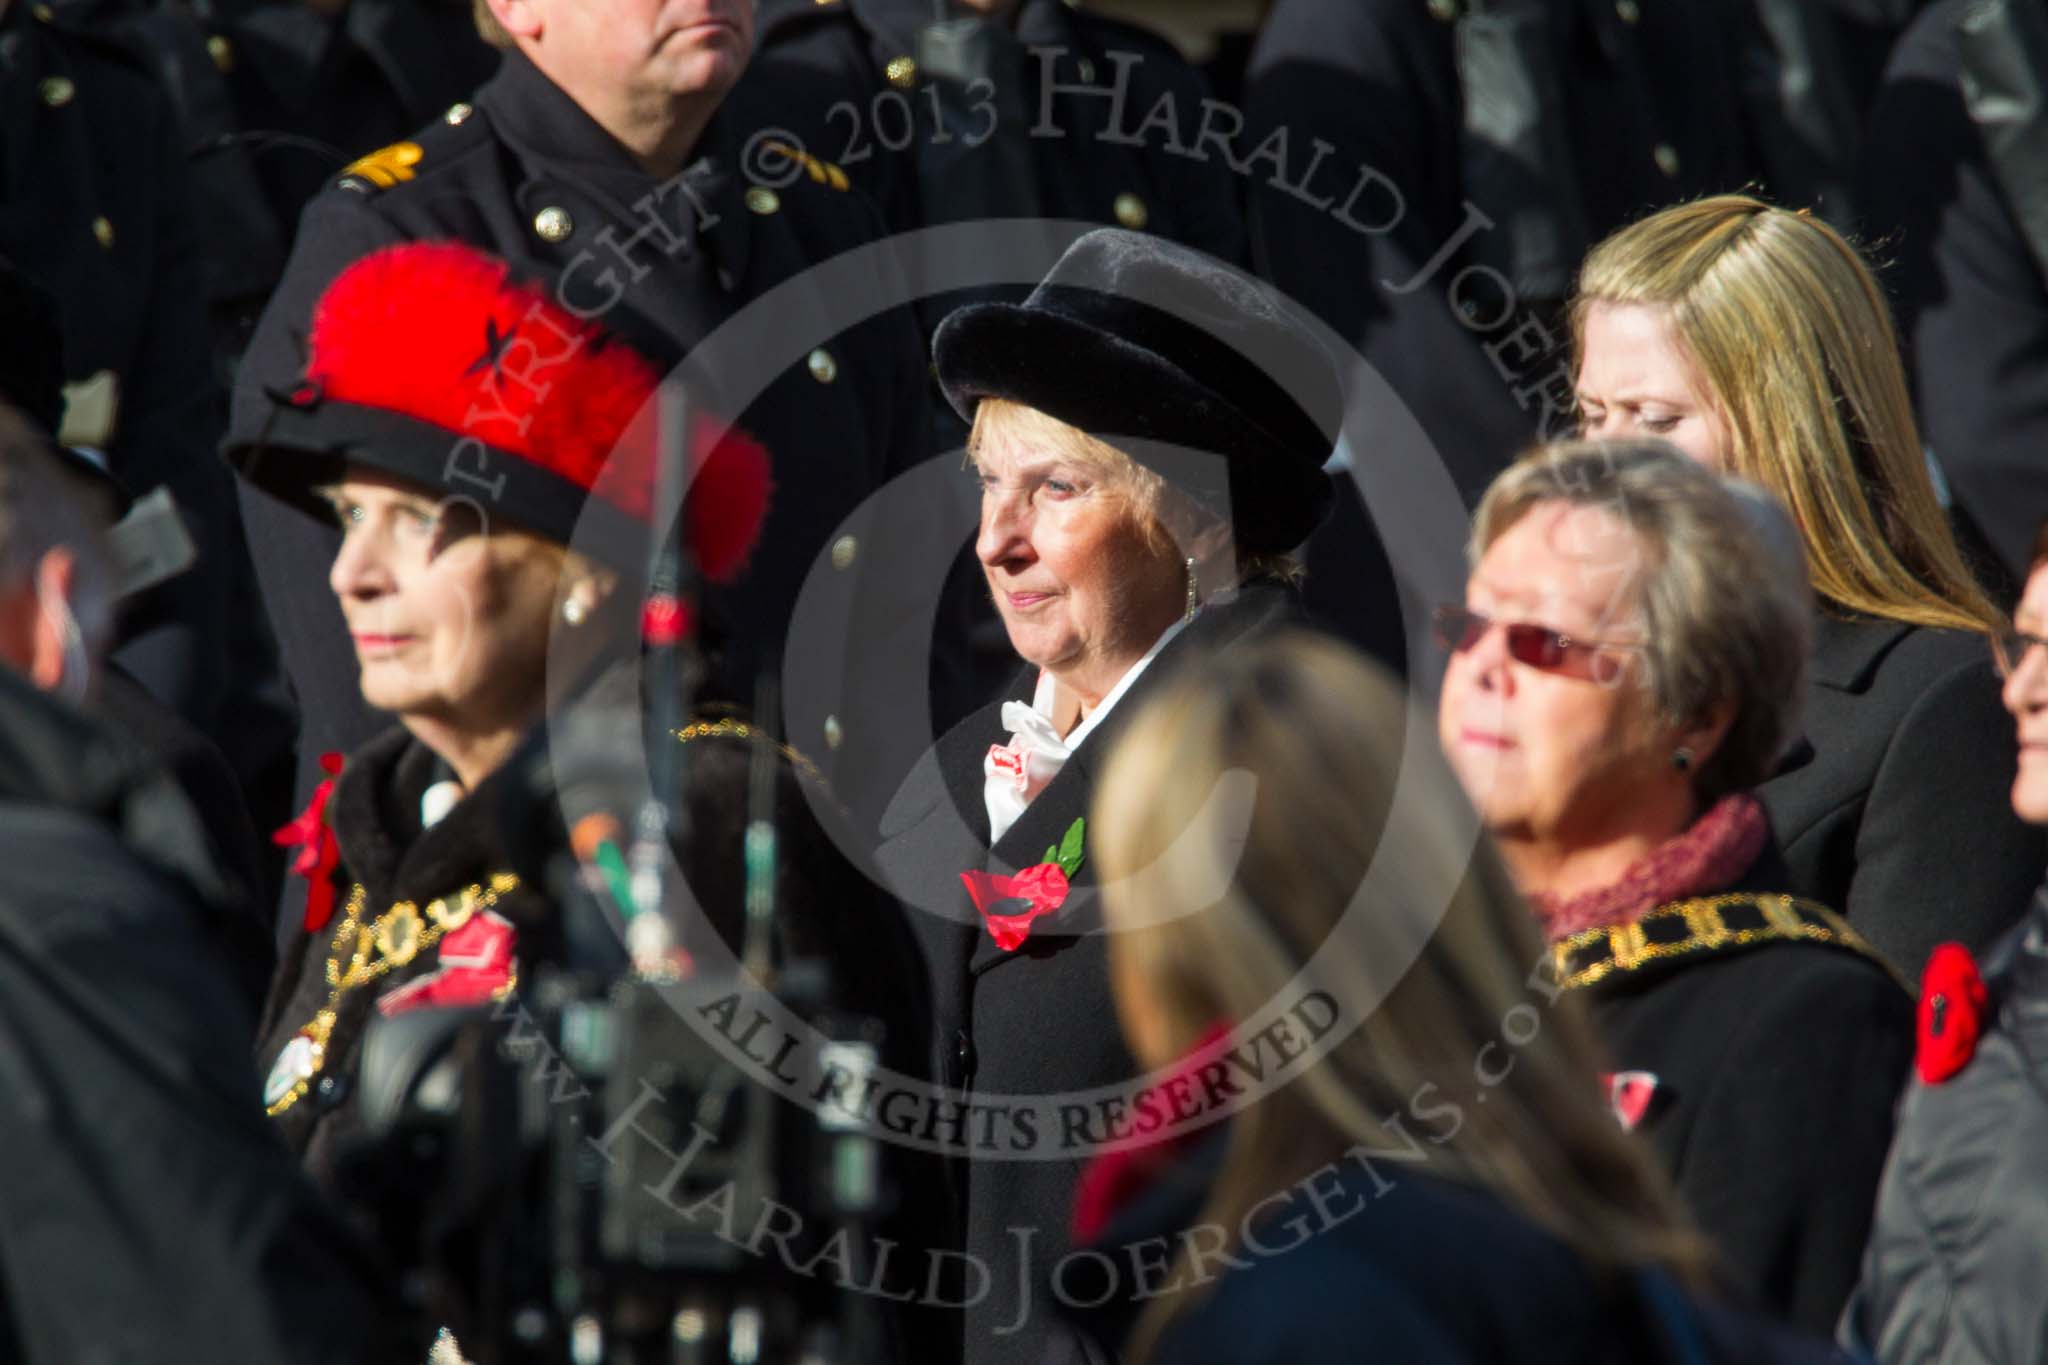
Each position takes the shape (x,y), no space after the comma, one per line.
(401,161)
(1701,927)
(822,171)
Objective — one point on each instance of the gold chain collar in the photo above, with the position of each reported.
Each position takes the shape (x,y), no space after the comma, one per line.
(362,953)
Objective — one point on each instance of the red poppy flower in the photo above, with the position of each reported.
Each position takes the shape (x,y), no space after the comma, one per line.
(1043,888)
(319,853)
(1629,1094)
(476,962)
(1952,1004)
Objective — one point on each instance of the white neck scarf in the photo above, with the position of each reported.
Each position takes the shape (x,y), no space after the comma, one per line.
(1015,773)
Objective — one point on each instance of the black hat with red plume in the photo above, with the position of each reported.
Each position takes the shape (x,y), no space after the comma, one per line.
(430,363)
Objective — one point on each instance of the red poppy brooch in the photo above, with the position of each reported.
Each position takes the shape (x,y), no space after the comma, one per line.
(1042,888)
(318,852)
(1952,1004)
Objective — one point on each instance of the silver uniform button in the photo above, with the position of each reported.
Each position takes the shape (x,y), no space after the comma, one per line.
(458,113)
(58,91)
(834,736)
(823,367)
(553,224)
(844,550)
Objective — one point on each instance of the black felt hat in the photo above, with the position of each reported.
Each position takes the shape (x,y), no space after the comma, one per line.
(1187,366)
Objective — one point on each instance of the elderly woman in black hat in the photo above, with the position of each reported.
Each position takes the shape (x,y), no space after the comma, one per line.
(1146,474)
(460,426)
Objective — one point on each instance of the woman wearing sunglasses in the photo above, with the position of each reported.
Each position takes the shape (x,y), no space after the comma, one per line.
(1756,340)
(1626,667)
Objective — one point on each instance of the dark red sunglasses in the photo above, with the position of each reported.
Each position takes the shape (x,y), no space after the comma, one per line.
(1460,628)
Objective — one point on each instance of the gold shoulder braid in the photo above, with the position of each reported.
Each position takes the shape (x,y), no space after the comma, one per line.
(361,954)
(1696,928)
(739,729)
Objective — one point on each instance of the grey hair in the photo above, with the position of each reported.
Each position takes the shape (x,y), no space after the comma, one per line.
(1725,603)
(43,508)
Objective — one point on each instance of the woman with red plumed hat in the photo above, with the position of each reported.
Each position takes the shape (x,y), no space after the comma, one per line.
(464,429)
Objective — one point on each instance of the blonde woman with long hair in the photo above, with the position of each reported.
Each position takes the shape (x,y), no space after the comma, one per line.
(1757,341)
(1447,1181)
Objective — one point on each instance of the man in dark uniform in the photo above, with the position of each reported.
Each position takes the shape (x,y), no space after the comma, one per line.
(958,111)
(1955,186)
(274,99)
(971,109)
(1427,179)
(93,208)
(602,158)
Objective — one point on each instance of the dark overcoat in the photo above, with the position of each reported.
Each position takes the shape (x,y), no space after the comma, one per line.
(146,1176)
(524,173)
(1968,279)
(1426,1267)
(1039,1020)
(1778,1059)
(1894,805)
(94,207)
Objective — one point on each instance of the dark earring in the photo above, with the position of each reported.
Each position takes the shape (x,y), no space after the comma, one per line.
(1681,759)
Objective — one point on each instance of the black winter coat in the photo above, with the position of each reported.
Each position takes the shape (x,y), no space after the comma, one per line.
(1778,1062)
(1969,286)
(1037,1021)
(1402,1265)
(1894,805)
(149,1213)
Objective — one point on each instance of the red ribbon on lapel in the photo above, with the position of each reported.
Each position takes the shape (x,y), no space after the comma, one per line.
(319,852)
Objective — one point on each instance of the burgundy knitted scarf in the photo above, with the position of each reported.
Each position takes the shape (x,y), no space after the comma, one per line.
(1715,850)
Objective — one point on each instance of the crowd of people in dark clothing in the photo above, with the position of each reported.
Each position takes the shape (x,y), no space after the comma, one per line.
(1400,664)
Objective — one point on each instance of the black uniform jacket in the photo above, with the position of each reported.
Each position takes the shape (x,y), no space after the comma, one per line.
(1038,1020)
(1052,135)
(527,175)
(1970,292)
(94,207)
(1778,1059)
(1894,806)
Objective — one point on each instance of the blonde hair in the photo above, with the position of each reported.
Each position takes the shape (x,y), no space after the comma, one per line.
(1149,498)
(1721,588)
(1321,732)
(1792,337)
(488,28)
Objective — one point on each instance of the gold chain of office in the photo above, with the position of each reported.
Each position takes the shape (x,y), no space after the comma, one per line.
(363,953)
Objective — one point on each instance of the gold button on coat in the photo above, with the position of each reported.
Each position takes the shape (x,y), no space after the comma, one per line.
(844,550)
(1131,212)
(58,91)
(103,231)
(763,200)
(553,224)
(222,51)
(902,72)
(824,368)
